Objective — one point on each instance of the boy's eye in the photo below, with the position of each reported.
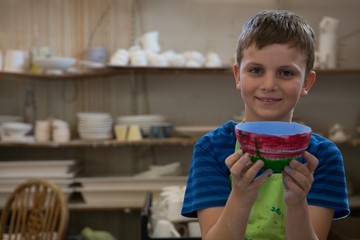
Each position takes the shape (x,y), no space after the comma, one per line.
(256,70)
(286,73)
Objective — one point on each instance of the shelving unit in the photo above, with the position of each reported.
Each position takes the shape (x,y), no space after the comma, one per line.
(103,143)
(115,71)
(115,143)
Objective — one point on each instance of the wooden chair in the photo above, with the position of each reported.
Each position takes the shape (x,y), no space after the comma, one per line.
(36,209)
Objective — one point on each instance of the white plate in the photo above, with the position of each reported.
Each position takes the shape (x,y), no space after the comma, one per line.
(132,182)
(95,129)
(16,127)
(114,195)
(95,121)
(92,65)
(172,169)
(94,136)
(10,118)
(94,116)
(140,118)
(37,175)
(33,167)
(95,125)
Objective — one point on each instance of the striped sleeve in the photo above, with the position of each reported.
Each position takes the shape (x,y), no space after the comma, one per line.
(208,183)
(329,187)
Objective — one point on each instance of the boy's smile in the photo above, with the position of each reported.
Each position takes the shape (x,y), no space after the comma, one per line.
(271,81)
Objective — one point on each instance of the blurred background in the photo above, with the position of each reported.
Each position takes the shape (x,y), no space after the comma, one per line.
(193,101)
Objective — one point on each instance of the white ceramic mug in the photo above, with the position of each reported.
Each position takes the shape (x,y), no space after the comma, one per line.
(194,229)
(120,58)
(150,41)
(15,61)
(173,210)
(96,54)
(165,229)
(42,131)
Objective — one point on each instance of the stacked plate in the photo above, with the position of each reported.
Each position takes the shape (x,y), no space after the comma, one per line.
(124,191)
(144,121)
(92,126)
(12,173)
(10,118)
(194,131)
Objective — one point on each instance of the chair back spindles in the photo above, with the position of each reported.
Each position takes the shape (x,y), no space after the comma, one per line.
(35,210)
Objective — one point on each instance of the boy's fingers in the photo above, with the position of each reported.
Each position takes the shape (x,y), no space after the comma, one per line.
(263,177)
(242,165)
(251,172)
(311,161)
(233,158)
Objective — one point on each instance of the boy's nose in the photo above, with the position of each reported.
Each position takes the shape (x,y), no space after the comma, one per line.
(269,83)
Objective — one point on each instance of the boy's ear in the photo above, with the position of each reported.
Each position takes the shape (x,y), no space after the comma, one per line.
(236,76)
(308,83)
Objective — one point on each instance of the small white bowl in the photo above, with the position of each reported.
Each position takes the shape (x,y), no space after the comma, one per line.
(16,128)
(54,63)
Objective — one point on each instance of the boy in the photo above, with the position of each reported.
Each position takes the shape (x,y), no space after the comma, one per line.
(274,68)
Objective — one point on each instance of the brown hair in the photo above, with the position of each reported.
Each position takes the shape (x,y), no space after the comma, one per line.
(281,27)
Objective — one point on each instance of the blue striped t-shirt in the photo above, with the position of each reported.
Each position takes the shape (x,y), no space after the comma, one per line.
(209,186)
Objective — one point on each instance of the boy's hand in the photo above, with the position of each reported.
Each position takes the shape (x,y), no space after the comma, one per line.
(243,173)
(298,179)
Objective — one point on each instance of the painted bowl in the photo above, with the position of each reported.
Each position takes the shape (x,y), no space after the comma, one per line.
(276,143)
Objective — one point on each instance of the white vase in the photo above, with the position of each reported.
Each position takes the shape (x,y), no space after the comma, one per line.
(328,43)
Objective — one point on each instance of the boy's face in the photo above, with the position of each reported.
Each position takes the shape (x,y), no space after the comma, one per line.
(271,81)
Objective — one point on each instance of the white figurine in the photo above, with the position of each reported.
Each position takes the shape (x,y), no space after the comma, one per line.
(338,133)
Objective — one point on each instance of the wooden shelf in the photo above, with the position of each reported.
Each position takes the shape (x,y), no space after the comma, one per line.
(103,143)
(105,206)
(182,141)
(173,70)
(114,71)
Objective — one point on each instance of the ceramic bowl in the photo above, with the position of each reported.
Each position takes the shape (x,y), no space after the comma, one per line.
(54,63)
(16,128)
(276,143)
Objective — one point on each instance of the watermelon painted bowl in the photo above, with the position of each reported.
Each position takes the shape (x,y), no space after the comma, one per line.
(276,143)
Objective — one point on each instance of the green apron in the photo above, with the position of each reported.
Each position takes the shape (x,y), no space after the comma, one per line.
(267,218)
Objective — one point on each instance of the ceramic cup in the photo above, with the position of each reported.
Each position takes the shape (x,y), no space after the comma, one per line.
(42,131)
(173,212)
(165,229)
(138,58)
(150,41)
(96,54)
(194,229)
(178,60)
(213,60)
(15,61)
(60,131)
(157,60)
(120,58)
(160,131)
